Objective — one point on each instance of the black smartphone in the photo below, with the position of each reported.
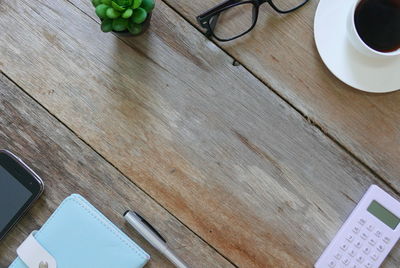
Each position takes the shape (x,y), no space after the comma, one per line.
(19,188)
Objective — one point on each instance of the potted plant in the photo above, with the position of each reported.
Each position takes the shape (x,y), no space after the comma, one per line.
(124,16)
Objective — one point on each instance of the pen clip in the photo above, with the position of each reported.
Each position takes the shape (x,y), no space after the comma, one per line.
(150,227)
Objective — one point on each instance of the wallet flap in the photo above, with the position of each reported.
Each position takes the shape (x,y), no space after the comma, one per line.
(32,253)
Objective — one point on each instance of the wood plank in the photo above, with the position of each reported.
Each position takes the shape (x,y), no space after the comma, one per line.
(67,166)
(206,139)
(282,53)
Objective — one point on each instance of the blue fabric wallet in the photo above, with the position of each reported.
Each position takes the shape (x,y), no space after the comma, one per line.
(77,235)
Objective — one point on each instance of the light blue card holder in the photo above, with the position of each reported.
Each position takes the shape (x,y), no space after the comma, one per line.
(77,235)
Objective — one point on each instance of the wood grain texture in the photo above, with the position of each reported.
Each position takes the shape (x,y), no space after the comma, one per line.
(282,53)
(67,165)
(206,139)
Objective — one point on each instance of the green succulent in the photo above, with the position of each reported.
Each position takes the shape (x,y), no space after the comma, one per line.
(123,15)
(148,5)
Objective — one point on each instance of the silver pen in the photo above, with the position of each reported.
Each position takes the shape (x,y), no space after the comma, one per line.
(153,237)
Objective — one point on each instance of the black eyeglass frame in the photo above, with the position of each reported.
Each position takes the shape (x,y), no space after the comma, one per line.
(208,20)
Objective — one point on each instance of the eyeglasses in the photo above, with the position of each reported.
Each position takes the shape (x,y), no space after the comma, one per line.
(236,18)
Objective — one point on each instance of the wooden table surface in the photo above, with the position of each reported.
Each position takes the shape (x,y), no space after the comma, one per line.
(255,165)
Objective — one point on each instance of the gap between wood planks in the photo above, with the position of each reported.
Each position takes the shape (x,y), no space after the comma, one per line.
(105,159)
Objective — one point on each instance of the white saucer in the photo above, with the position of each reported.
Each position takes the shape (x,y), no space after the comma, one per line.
(343,60)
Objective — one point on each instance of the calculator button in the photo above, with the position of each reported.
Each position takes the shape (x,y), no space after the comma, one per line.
(346,261)
(356,230)
(338,256)
(344,247)
(358,244)
(366,250)
(378,234)
(332,264)
(360,259)
(368,265)
(350,238)
(352,253)
(380,248)
(372,242)
(361,221)
(364,236)
(386,240)
(370,227)
(375,256)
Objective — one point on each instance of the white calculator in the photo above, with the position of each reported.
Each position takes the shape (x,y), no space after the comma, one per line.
(367,236)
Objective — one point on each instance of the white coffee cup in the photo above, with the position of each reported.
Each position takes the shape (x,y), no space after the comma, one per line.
(356,40)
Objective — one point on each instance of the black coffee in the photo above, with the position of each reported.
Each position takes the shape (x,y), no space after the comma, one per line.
(378,24)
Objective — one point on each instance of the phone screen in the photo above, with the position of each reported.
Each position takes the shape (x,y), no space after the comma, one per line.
(13,196)
(19,188)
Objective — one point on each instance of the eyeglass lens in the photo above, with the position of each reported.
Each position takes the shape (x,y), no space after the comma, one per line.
(234,21)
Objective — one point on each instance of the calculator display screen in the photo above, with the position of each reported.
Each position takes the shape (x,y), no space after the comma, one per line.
(383,214)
